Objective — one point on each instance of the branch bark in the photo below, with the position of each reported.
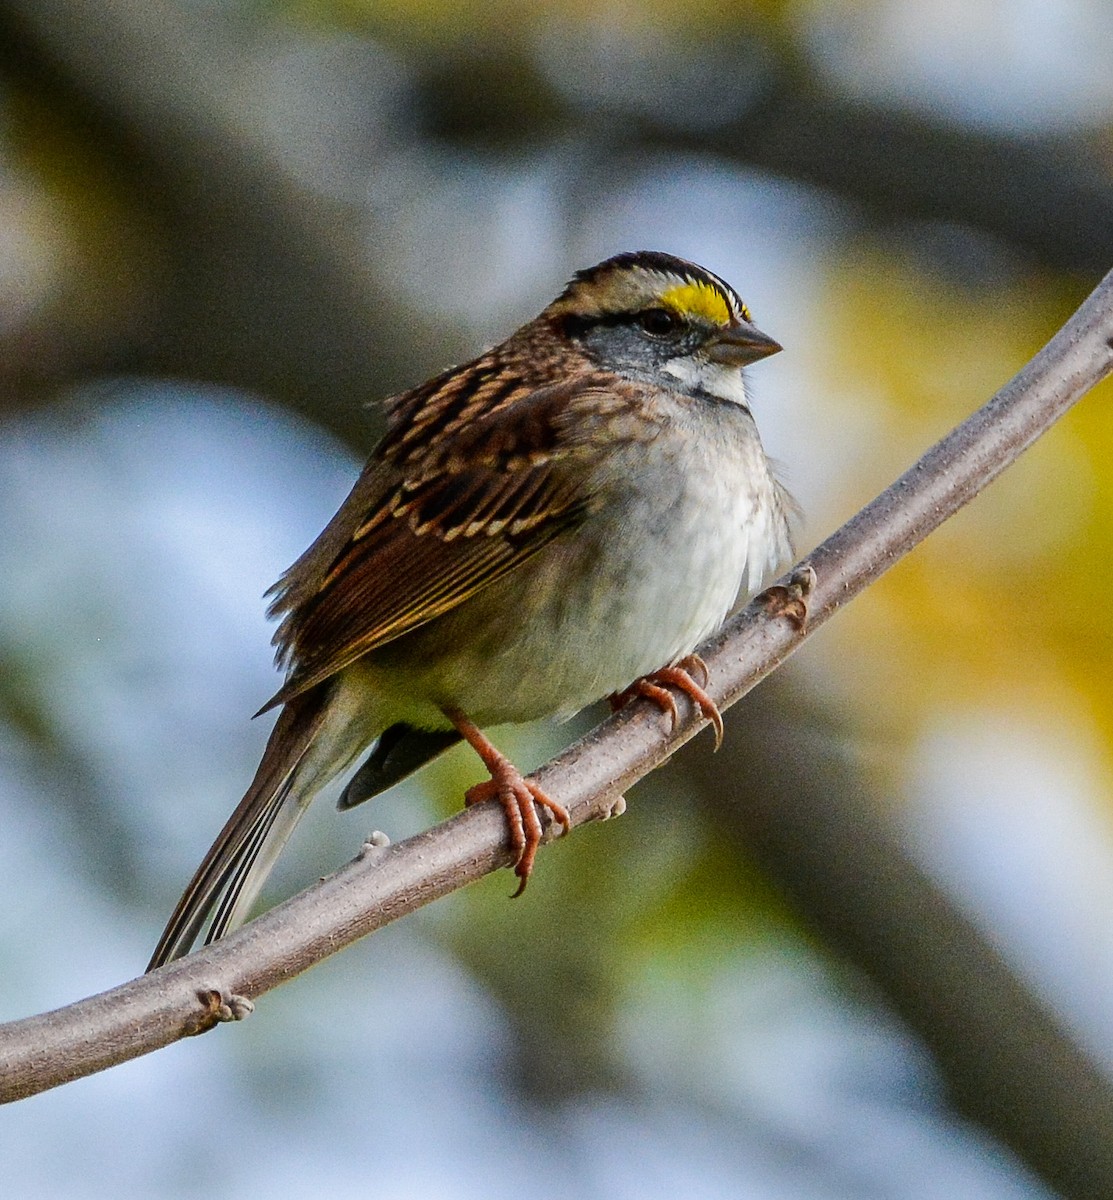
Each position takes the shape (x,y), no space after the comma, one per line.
(384,883)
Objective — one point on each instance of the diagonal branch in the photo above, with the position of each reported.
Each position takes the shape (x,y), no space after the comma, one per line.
(384,883)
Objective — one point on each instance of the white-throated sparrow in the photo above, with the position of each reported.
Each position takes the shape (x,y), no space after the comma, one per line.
(567,515)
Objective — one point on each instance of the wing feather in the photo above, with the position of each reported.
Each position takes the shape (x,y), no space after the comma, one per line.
(421,532)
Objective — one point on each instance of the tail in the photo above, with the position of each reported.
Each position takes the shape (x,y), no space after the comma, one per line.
(239,861)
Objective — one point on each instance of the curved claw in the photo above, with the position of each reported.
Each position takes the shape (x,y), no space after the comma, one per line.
(680,676)
(519,797)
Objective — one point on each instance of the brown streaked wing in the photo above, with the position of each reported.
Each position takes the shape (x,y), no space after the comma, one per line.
(446,526)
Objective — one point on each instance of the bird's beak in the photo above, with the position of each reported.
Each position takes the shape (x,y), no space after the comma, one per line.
(737,345)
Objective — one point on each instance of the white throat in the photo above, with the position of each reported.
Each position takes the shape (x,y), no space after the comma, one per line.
(722,382)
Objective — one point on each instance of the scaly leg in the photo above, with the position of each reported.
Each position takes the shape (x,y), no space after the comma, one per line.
(517,795)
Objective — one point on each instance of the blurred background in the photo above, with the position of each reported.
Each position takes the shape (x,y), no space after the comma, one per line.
(866,950)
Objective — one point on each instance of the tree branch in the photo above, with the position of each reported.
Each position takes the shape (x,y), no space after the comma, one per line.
(384,883)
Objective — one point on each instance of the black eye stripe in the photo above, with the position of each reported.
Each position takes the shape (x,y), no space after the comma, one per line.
(672,322)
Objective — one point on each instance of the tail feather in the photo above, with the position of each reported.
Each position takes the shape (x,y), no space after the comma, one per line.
(266,841)
(232,873)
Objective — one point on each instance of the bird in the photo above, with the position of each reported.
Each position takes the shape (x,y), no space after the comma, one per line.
(562,519)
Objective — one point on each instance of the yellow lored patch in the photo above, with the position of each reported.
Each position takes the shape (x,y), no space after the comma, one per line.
(698,300)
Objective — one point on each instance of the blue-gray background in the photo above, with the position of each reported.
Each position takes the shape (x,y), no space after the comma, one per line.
(224,228)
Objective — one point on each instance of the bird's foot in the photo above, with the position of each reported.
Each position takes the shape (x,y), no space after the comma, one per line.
(519,797)
(791,600)
(681,676)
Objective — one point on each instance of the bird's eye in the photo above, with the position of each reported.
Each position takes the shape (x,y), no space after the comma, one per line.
(658,322)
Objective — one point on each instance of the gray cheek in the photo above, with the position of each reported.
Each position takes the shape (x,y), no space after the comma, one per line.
(627,349)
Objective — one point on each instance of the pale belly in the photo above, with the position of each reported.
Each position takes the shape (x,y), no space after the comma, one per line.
(638,586)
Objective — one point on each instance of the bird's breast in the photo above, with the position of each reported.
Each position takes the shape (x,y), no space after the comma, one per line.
(678,526)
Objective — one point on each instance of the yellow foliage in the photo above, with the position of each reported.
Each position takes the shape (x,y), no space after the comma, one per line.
(455,21)
(1005,604)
